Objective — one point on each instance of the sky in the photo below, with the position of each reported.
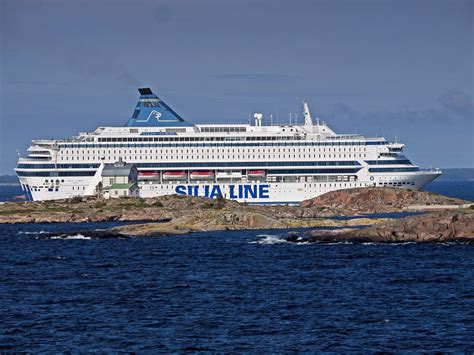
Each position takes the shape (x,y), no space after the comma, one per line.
(400,69)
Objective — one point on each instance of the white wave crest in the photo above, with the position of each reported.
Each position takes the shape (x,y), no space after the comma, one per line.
(269,239)
(338,243)
(71,237)
(35,232)
(401,244)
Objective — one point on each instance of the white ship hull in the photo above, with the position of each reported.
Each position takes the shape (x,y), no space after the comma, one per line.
(249,192)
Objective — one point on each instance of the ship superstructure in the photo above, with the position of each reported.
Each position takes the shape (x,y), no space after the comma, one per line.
(252,163)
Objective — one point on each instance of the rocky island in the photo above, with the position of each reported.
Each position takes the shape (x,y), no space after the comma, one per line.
(432,227)
(348,210)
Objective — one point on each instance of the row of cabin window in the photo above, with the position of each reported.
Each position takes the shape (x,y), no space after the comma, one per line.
(199,151)
(270,171)
(204,157)
(226,163)
(195,139)
(224,144)
(336,184)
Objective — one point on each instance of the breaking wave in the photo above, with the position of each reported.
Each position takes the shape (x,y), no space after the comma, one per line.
(36,232)
(269,239)
(71,237)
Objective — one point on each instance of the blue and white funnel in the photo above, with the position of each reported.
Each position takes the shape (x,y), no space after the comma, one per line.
(151,111)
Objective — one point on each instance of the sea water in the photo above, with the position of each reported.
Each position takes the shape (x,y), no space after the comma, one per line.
(236,291)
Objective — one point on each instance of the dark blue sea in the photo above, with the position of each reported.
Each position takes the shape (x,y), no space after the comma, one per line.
(231,292)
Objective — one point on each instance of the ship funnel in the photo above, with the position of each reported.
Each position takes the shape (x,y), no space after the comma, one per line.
(151,111)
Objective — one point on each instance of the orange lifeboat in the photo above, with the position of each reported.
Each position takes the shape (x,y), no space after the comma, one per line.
(174,175)
(148,175)
(202,175)
(256,173)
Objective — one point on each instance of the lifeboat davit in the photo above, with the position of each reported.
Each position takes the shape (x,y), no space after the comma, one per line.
(174,175)
(256,173)
(202,175)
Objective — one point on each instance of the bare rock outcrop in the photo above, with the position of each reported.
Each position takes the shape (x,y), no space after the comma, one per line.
(376,200)
(432,227)
(435,227)
(175,214)
(348,202)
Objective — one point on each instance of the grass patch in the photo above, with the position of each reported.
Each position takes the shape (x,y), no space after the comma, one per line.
(20,212)
(217,204)
(76,199)
(57,209)
(133,203)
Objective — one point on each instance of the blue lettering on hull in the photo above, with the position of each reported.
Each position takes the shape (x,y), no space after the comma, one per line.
(235,191)
(181,190)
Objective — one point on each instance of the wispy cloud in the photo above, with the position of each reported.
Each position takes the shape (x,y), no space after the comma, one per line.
(257,76)
(37,82)
(99,65)
(458,102)
(453,105)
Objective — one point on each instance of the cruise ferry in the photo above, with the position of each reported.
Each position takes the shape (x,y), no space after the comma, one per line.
(253,163)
